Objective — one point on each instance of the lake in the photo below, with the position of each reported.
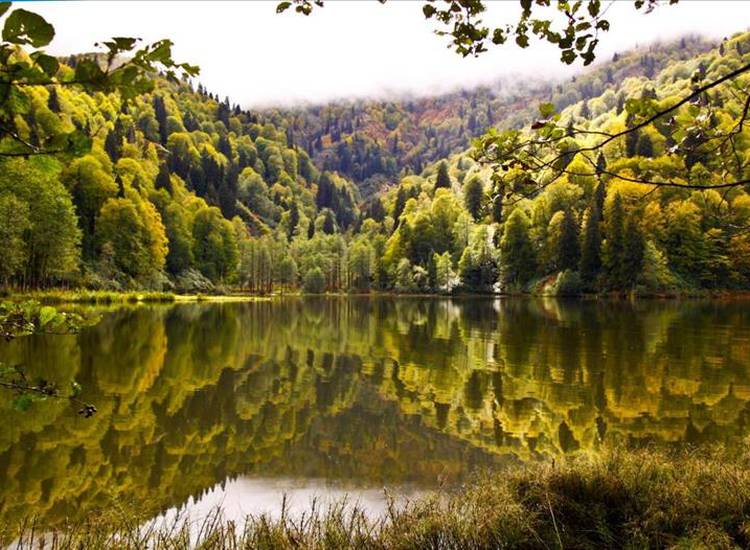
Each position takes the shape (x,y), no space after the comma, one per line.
(239,403)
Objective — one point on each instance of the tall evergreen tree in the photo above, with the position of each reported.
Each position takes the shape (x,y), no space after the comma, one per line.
(163,180)
(474,197)
(518,260)
(591,258)
(53,102)
(160,112)
(568,247)
(645,146)
(293,219)
(633,250)
(615,224)
(113,144)
(443,178)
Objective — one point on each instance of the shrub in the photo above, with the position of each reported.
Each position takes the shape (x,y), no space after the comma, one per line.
(315,281)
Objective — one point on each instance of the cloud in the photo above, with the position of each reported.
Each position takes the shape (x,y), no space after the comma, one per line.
(350,49)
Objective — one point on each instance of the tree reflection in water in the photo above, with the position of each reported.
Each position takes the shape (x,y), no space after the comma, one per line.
(363,392)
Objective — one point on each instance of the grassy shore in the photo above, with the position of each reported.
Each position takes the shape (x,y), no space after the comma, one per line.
(104,297)
(641,499)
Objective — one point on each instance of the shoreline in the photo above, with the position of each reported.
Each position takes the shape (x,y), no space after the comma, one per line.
(58,296)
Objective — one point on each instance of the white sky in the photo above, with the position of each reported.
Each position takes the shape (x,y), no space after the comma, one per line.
(351,48)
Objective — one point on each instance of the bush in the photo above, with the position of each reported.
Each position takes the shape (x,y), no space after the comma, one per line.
(315,281)
(568,283)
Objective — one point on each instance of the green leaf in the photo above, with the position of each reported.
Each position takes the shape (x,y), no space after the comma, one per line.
(546,109)
(428,10)
(4,6)
(25,27)
(283,6)
(48,64)
(47,314)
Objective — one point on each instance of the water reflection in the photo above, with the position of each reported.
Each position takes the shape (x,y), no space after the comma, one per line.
(363,392)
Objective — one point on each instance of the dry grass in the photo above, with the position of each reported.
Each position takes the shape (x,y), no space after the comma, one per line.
(641,499)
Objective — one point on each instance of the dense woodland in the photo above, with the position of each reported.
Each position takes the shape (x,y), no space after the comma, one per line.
(184,190)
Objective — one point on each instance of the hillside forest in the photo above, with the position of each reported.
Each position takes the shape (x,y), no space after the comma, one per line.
(184,190)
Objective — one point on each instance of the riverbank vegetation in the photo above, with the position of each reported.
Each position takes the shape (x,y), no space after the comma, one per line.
(181,191)
(638,499)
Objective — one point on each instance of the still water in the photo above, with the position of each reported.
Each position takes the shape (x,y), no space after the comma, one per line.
(239,403)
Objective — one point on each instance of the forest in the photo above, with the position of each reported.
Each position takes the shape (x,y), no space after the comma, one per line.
(182,190)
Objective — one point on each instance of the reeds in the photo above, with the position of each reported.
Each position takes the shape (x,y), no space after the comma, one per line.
(638,499)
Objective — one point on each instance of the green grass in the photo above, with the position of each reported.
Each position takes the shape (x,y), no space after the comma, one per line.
(641,499)
(58,296)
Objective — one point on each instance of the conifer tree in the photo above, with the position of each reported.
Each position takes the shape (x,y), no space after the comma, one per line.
(474,197)
(633,249)
(53,102)
(569,250)
(518,260)
(160,112)
(163,179)
(591,259)
(443,178)
(616,243)
(645,146)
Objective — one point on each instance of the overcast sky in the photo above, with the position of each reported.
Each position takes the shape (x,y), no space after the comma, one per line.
(351,48)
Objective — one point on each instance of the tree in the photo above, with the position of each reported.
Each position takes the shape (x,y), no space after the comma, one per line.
(569,250)
(518,260)
(14,222)
(474,197)
(614,258)
(478,264)
(315,281)
(180,237)
(214,245)
(52,238)
(633,251)
(591,261)
(288,272)
(127,70)
(443,180)
(90,185)
(645,146)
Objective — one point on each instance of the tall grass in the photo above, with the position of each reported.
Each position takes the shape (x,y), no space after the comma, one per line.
(103,297)
(641,499)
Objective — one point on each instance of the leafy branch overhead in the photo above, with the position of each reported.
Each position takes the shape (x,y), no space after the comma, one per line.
(524,163)
(122,67)
(574,28)
(27,318)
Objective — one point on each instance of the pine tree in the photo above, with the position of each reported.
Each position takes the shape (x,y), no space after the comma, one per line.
(620,106)
(474,197)
(518,260)
(160,112)
(616,244)
(568,248)
(293,219)
(113,144)
(329,224)
(591,257)
(633,249)
(311,229)
(163,180)
(120,187)
(645,146)
(585,111)
(631,143)
(443,178)
(53,102)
